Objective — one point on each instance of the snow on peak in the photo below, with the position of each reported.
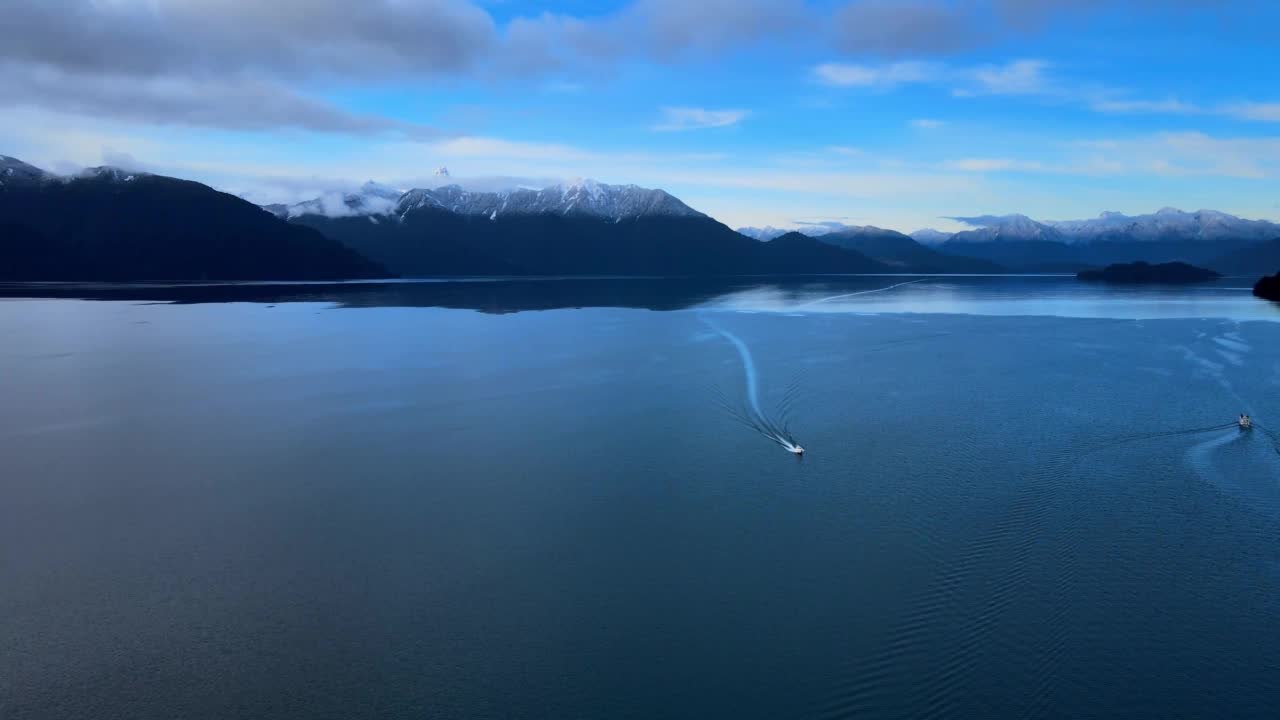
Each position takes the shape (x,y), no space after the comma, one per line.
(1004,228)
(1166,224)
(582,197)
(13,171)
(766,233)
(812,228)
(929,236)
(371,198)
(578,198)
(111,173)
(376,189)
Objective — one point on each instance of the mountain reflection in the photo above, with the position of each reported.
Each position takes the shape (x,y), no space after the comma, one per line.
(484,295)
(1031,295)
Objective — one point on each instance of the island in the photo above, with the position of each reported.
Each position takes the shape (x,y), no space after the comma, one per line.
(1141,273)
(1268,288)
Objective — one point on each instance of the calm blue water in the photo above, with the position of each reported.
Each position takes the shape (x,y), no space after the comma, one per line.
(528,499)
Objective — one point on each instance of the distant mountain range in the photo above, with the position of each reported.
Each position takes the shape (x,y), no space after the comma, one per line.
(1018,243)
(1205,237)
(115,225)
(107,224)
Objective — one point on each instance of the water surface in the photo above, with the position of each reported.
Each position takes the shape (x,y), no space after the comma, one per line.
(423,500)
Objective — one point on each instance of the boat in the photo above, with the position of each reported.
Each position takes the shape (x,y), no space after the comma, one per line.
(1245,422)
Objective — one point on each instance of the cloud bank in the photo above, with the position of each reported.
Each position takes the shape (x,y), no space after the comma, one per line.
(247,65)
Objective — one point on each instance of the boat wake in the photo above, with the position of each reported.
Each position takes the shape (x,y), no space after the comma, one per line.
(811,303)
(1137,437)
(1271,434)
(1013,584)
(774,427)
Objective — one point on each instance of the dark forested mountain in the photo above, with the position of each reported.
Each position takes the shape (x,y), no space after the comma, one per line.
(1250,260)
(1268,287)
(903,253)
(583,228)
(112,225)
(1141,273)
(1020,255)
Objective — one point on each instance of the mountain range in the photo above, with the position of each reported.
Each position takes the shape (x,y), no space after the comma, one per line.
(115,225)
(1203,237)
(578,228)
(108,224)
(1018,243)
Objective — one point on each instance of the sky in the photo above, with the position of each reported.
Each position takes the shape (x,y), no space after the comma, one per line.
(757,112)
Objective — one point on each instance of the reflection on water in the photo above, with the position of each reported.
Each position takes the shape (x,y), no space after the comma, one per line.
(1060,296)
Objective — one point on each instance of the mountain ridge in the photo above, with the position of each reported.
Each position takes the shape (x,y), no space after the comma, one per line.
(111,224)
(587,198)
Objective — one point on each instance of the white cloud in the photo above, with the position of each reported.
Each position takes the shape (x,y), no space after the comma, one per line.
(1020,77)
(1017,77)
(1260,112)
(1024,77)
(876,76)
(1171,106)
(676,119)
(1190,154)
(1250,111)
(927,123)
(991,165)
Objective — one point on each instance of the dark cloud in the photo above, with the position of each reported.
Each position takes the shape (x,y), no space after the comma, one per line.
(1032,15)
(911,27)
(229,103)
(937,27)
(280,37)
(230,63)
(658,30)
(237,64)
(241,64)
(671,28)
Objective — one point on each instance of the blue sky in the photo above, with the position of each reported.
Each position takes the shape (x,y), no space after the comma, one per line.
(754,111)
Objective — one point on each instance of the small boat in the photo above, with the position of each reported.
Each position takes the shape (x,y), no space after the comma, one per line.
(1246,422)
(796,449)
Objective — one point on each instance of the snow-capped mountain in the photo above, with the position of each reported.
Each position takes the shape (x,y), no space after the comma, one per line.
(812,229)
(109,173)
(764,234)
(580,198)
(583,198)
(1166,225)
(929,236)
(14,171)
(1005,228)
(371,199)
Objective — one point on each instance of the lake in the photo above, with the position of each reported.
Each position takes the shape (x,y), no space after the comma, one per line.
(1021,497)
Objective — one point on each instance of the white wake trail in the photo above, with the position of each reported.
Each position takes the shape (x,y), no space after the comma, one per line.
(860,292)
(759,422)
(748,367)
